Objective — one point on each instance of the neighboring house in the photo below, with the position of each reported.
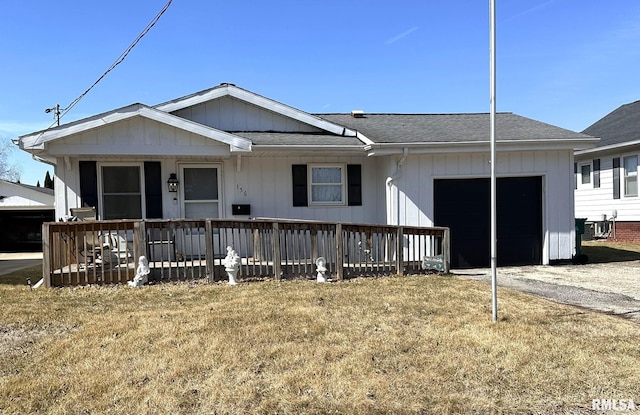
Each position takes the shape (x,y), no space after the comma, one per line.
(230,153)
(23,210)
(607,176)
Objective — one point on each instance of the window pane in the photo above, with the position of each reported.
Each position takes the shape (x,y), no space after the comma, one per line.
(201,184)
(326,175)
(631,165)
(121,179)
(326,193)
(586,174)
(122,207)
(631,186)
(201,210)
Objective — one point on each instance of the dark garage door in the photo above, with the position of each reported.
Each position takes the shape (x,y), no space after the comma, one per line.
(464,205)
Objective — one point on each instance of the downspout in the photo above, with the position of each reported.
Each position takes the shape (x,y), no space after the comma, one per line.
(395,176)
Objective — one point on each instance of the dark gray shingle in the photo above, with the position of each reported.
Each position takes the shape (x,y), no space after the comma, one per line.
(619,126)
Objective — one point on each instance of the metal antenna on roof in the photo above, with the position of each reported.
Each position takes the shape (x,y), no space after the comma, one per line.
(56,112)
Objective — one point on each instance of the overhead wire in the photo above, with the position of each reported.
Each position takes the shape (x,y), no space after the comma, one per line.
(112,67)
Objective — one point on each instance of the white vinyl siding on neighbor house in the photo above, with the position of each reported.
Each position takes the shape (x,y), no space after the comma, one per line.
(593,203)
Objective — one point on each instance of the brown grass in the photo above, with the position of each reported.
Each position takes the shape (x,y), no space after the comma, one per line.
(605,251)
(423,344)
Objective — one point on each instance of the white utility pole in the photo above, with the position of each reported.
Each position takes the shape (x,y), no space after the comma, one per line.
(494,236)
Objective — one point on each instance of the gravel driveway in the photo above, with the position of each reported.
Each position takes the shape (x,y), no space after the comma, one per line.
(610,287)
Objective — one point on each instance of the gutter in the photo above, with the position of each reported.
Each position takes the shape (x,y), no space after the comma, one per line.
(395,176)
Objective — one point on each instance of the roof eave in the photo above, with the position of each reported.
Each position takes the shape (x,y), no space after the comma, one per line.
(609,148)
(381,149)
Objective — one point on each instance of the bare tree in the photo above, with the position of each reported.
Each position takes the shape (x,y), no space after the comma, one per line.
(8,170)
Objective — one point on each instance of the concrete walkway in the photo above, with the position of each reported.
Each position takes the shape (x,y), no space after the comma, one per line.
(612,288)
(10,262)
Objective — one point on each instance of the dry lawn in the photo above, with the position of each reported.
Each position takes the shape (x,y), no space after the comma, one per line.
(422,344)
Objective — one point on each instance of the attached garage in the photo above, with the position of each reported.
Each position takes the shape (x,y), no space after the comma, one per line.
(23,210)
(464,205)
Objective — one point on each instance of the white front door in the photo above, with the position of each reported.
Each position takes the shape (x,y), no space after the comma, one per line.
(201,191)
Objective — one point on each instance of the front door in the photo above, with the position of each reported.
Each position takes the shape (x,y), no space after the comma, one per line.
(201,191)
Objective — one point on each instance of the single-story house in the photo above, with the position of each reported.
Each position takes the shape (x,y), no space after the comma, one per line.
(606,193)
(230,153)
(23,210)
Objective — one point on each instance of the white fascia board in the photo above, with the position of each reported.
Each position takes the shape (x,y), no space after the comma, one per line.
(37,140)
(477,146)
(612,147)
(257,100)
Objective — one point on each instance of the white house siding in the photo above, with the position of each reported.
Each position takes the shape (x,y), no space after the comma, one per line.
(137,137)
(415,186)
(591,203)
(230,114)
(16,196)
(266,184)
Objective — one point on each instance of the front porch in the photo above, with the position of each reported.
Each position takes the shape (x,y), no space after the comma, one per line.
(106,252)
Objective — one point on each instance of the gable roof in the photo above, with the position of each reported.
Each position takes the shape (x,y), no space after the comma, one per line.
(36,140)
(226,89)
(619,127)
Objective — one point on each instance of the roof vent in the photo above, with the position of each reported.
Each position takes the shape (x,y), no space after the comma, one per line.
(357,114)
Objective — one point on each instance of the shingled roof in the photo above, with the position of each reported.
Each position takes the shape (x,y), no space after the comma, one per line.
(617,127)
(420,128)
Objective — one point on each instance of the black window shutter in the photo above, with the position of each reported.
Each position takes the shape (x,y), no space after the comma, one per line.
(616,178)
(575,175)
(88,184)
(354,184)
(299,175)
(596,173)
(153,189)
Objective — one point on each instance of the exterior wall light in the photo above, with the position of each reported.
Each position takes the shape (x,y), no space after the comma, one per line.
(173,183)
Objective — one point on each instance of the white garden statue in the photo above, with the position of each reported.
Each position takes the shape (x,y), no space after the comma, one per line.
(232,265)
(142,273)
(321,265)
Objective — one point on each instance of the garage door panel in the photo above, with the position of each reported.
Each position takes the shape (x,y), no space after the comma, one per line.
(464,205)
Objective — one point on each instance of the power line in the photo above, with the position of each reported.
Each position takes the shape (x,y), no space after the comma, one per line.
(121,58)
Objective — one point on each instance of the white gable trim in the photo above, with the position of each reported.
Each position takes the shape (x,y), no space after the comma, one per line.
(257,100)
(36,141)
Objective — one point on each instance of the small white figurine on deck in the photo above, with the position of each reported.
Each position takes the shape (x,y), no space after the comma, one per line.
(142,273)
(321,265)
(232,265)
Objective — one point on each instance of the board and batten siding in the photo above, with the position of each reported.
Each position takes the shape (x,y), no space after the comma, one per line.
(266,184)
(591,203)
(138,137)
(230,114)
(412,193)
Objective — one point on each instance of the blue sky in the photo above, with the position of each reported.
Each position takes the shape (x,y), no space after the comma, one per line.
(564,62)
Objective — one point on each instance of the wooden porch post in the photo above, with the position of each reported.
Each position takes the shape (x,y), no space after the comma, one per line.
(46,255)
(339,252)
(400,251)
(446,249)
(209,257)
(277,269)
(139,240)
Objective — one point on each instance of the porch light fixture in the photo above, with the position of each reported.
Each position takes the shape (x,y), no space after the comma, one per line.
(173,183)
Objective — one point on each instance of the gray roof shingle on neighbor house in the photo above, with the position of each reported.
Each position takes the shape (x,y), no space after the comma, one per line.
(619,126)
(418,128)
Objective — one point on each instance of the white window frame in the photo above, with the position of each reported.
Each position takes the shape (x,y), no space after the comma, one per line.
(183,202)
(629,176)
(101,194)
(581,183)
(343,183)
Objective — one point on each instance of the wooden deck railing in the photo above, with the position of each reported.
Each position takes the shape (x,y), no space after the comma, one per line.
(106,252)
